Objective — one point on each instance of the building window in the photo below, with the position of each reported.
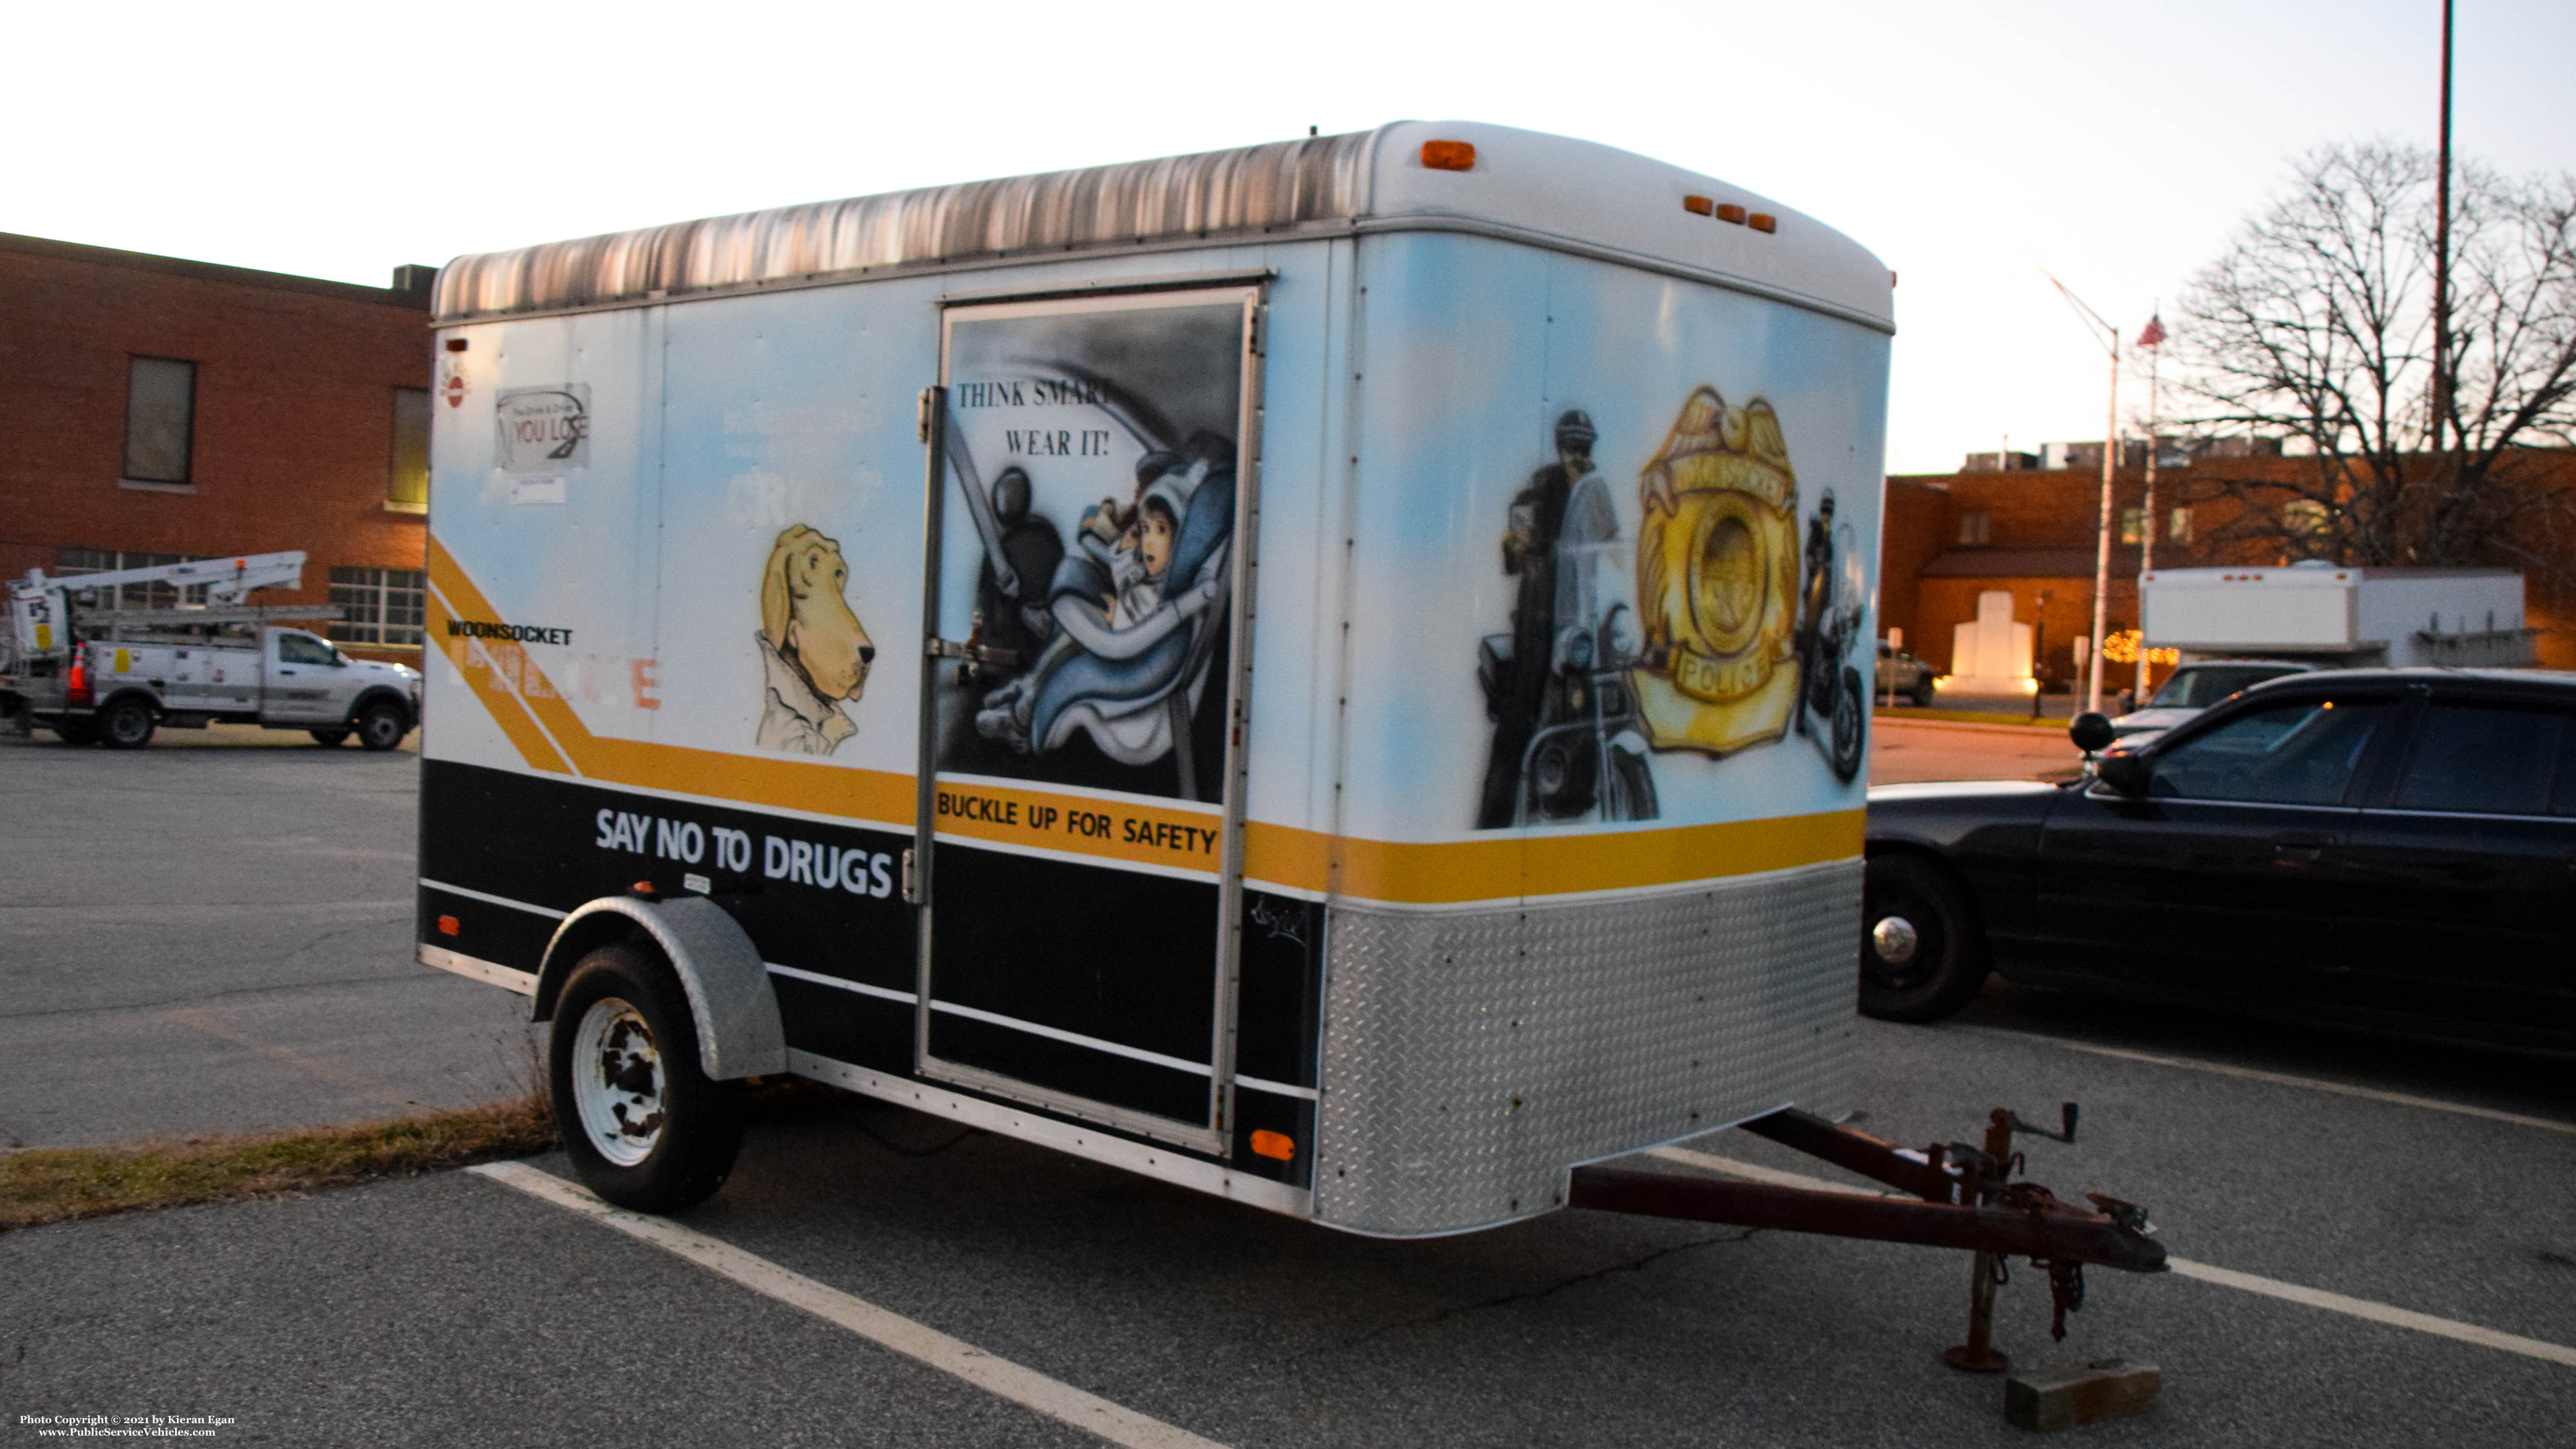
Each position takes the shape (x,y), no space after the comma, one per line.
(380,606)
(2178,527)
(407,487)
(160,419)
(1973,527)
(2133,525)
(73,562)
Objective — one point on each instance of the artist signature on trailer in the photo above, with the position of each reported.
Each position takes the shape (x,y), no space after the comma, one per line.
(1279,921)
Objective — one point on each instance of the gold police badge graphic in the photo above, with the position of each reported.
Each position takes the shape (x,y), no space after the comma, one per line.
(1717,580)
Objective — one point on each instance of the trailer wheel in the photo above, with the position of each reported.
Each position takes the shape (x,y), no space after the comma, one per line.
(328,737)
(644,1126)
(381,726)
(1921,955)
(126,724)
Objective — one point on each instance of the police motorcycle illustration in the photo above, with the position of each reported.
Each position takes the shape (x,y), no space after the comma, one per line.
(1831,606)
(1567,736)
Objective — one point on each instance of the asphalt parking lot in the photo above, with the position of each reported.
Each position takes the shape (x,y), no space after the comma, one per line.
(213,934)
(462,1308)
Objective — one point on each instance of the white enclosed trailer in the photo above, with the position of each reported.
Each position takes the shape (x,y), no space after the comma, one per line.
(1328,673)
(2339,615)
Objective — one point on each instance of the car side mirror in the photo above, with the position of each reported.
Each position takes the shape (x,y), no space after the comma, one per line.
(2092,732)
(2125,771)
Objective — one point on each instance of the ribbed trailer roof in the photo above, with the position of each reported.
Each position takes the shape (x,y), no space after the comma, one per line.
(1547,190)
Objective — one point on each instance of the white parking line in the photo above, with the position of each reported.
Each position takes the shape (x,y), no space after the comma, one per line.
(2206,1273)
(2280,1079)
(1023,1386)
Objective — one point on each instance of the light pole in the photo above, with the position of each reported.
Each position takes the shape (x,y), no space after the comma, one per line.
(2153,340)
(2109,336)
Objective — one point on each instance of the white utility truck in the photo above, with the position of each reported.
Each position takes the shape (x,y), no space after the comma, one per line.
(1374,712)
(2340,616)
(114,676)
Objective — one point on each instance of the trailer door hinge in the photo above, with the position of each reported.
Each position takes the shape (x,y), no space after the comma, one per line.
(1260,330)
(921,416)
(911,881)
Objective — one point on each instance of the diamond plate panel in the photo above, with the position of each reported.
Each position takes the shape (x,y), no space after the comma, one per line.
(1471,1058)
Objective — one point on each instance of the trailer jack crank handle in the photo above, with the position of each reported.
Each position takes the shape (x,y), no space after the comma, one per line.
(1966,1200)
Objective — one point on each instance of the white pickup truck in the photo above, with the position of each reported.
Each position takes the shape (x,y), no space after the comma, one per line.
(115,676)
(117,692)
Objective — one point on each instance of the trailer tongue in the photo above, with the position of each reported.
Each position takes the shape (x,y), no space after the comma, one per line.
(1968,1199)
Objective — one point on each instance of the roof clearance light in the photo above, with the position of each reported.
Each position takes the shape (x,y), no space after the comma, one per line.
(1449,155)
(1763,221)
(1699,206)
(1731,212)
(1278,1145)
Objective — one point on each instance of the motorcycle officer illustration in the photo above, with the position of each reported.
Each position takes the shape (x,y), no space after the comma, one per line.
(1831,602)
(1565,737)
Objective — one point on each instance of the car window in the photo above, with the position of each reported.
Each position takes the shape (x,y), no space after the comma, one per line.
(2198,686)
(2488,759)
(296,649)
(2301,753)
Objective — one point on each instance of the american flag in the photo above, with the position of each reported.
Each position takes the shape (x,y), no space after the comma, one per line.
(2155,333)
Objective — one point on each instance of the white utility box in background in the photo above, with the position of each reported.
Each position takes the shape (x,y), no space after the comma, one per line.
(2348,616)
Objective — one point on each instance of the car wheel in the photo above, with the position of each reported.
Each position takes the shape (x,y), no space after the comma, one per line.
(643,1124)
(126,724)
(381,726)
(328,737)
(1923,695)
(1921,955)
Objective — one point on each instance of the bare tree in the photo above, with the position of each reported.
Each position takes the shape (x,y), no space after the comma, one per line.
(2316,326)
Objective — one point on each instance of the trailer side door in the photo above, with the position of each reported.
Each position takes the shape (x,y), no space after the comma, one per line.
(1080,836)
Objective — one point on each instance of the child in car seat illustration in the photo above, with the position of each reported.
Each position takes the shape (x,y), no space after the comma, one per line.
(1134,604)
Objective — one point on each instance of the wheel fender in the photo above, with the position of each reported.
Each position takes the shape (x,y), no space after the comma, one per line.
(385,693)
(730,998)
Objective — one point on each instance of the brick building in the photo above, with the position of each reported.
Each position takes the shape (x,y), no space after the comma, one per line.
(2033,532)
(154,410)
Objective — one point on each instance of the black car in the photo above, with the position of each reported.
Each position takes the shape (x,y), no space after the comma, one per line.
(2390,848)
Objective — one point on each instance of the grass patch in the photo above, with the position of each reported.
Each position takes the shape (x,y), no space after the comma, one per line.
(1970,716)
(60,1184)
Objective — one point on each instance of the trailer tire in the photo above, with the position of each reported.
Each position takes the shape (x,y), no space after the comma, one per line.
(643,1124)
(328,737)
(126,724)
(382,725)
(1922,955)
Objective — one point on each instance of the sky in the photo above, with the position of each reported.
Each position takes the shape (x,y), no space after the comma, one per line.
(1968,144)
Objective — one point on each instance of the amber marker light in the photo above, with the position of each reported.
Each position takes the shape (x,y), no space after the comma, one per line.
(456,344)
(1763,221)
(1699,206)
(1449,155)
(449,926)
(1277,1145)
(1731,212)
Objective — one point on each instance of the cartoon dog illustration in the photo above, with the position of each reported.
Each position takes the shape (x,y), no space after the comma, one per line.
(813,651)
